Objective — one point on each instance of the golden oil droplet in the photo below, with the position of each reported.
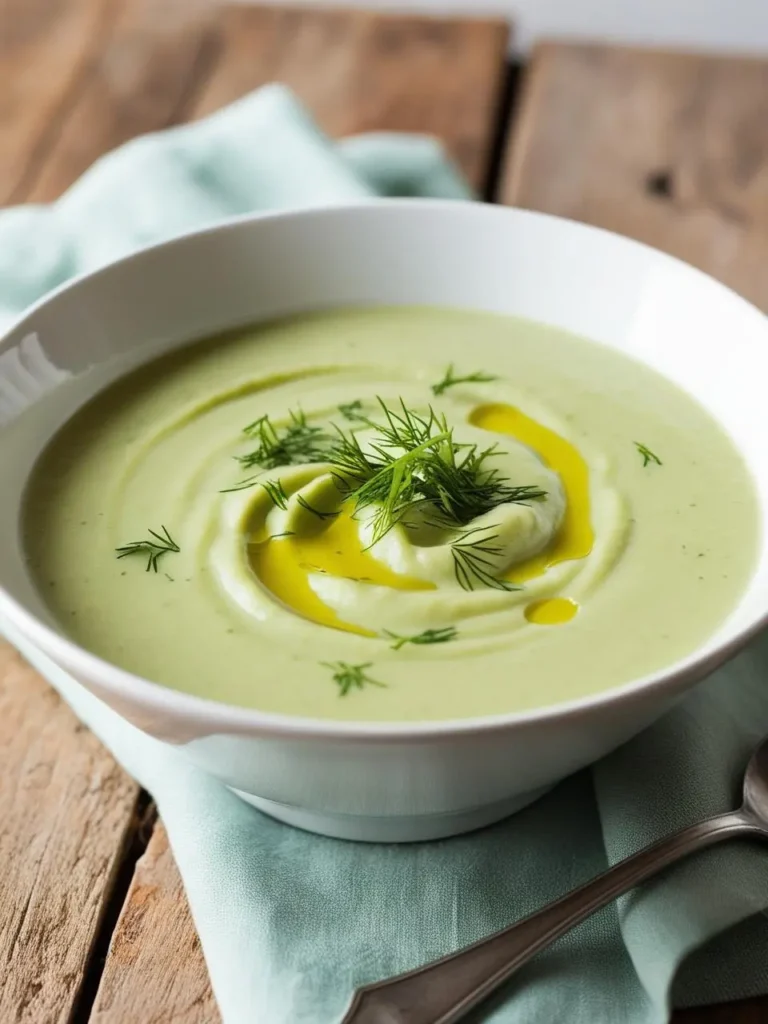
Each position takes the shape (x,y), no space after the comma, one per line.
(552,611)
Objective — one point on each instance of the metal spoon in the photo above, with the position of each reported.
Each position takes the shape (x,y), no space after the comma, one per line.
(445,990)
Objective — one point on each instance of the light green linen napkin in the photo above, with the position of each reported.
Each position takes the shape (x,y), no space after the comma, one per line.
(290,922)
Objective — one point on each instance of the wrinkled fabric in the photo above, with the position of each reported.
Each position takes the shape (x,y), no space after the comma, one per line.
(290,923)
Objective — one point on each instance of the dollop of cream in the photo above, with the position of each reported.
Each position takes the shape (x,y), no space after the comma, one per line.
(314,557)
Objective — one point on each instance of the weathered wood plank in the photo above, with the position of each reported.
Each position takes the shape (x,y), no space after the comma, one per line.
(66,812)
(36,35)
(155,972)
(144,67)
(668,148)
(359,71)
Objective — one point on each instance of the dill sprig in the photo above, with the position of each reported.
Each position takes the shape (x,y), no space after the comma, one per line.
(410,462)
(315,511)
(297,443)
(154,548)
(276,493)
(243,485)
(349,677)
(352,410)
(647,454)
(414,461)
(449,380)
(429,636)
(471,564)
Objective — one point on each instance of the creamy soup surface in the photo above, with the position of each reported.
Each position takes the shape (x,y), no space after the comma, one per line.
(391,514)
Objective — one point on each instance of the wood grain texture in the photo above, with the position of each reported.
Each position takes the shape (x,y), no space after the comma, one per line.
(359,71)
(76,77)
(669,148)
(37,34)
(67,811)
(145,60)
(155,972)
(143,65)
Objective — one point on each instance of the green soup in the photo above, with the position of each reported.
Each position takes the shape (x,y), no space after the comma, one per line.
(391,514)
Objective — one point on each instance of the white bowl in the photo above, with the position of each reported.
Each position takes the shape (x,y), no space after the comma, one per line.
(386,782)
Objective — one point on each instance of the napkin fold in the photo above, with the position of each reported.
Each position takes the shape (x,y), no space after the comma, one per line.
(290,923)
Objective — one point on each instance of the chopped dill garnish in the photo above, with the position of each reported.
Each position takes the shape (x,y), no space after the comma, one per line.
(276,493)
(297,443)
(348,677)
(242,486)
(647,454)
(449,380)
(471,563)
(315,511)
(154,548)
(453,481)
(352,410)
(429,636)
(410,463)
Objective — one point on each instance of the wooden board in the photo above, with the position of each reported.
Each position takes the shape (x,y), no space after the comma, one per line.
(113,69)
(145,61)
(155,972)
(671,149)
(67,814)
(668,148)
(142,65)
(367,72)
(36,34)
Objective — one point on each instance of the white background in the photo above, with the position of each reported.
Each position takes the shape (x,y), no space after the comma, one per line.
(723,25)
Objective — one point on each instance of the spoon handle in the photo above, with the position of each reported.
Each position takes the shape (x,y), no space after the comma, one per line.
(445,990)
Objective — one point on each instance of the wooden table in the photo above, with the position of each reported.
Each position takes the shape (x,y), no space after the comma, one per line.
(670,148)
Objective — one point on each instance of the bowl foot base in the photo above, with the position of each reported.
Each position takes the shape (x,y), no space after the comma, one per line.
(386,829)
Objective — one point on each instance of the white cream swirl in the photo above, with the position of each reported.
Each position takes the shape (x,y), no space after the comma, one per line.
(428,559)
